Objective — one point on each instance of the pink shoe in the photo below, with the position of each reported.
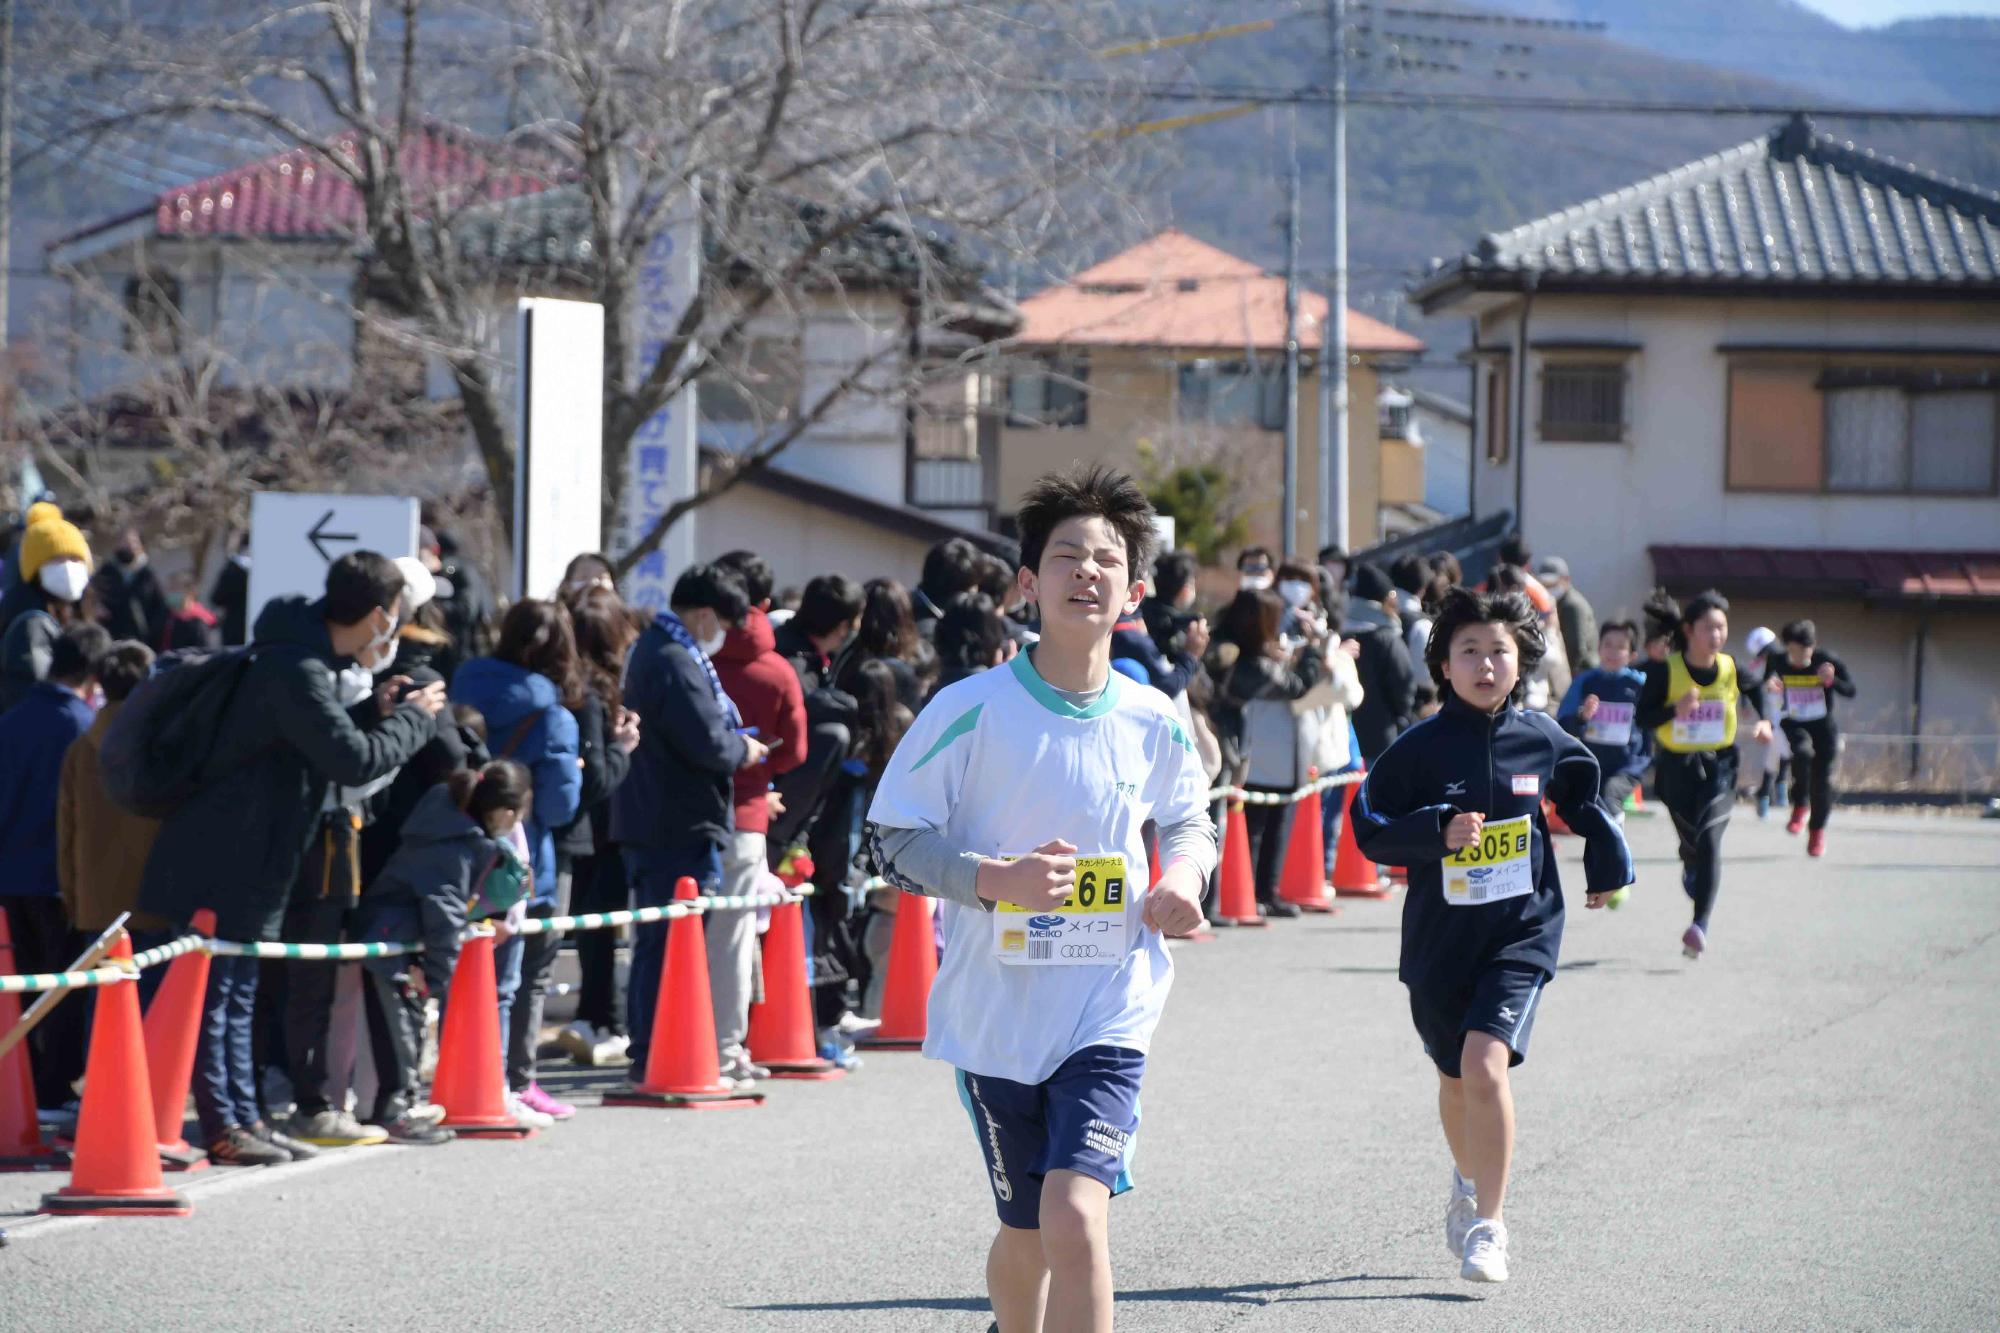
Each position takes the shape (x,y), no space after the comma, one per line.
(1816,842)
(1693,941)
(537,1100)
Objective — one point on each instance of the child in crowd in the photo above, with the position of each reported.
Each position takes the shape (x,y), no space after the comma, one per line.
(1458,800)
(457,862)
(1810,677)
(1599,709)
(1021,797)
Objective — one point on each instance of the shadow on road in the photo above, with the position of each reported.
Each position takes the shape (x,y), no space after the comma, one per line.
(1245,1293)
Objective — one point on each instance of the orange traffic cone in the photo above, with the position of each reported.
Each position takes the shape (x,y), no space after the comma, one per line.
(906,996)
(1354,875)
(1238,904)
(470,1083)
(117,1171)
(173,1031)
(1303,881)
(21,1146)
(683,1070)
(781,1028)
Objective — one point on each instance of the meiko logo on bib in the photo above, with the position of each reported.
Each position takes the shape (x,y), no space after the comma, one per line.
(1527,784)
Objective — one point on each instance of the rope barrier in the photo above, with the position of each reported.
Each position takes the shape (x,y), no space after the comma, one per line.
(1247,797)
(351,953)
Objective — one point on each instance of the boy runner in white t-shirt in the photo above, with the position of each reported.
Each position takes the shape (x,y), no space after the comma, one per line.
(1020,798)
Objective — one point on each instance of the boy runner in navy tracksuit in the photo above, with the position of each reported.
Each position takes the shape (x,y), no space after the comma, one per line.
(1457,799)
(1811,677)
(1600,710)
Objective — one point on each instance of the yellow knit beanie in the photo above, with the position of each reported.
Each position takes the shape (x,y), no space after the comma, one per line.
(43,511)
(52,540)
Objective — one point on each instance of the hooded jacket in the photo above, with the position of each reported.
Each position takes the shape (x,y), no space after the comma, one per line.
(422,893)
(1388,678)
(236,844)
(101,846)
(1501,765)
(523,703)
(680,790)
(35,735)
(768,694)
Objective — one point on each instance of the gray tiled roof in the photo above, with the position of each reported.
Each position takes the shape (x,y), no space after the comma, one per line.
(1793,208)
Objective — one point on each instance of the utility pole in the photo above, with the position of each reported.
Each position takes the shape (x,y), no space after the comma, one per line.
(6,161)
(1333,445)
(1291,496)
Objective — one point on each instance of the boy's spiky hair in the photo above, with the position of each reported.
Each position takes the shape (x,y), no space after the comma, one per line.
(1462,607)
(1084,491)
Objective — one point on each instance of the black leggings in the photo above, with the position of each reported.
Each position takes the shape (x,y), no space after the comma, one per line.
(1270,830)
(1699,791)
(1815,746)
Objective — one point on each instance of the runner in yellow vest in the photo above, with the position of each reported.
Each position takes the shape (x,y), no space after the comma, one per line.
(1689,703)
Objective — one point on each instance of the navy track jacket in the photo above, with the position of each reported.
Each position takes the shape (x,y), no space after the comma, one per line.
(1500,765)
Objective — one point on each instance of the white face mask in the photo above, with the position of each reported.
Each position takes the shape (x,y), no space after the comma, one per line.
(378,655)
(64,580)
(1296,592)
(711,646)
(1256,582)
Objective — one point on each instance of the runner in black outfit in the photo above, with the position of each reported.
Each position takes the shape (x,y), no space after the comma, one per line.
(1689,701)
(1811,678)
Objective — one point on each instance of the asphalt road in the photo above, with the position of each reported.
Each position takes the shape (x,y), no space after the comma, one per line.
(1797,1132)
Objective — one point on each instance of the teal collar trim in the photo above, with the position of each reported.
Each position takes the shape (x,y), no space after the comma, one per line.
(1045,695)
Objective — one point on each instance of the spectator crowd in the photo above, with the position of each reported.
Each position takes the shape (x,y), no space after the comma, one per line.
(401,756)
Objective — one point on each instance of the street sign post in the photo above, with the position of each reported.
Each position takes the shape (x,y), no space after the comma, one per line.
(559,484)
(293,538)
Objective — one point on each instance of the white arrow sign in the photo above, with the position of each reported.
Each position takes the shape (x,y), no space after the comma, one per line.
(293,538)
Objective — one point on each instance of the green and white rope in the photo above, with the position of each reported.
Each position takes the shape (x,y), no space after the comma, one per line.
(1326,783)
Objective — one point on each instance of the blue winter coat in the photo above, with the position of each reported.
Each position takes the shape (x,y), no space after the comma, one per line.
(34,736)
(510,697)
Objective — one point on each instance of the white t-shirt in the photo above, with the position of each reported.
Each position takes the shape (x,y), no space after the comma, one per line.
(999,764)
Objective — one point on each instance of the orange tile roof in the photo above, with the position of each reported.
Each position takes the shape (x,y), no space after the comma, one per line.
(1176,291)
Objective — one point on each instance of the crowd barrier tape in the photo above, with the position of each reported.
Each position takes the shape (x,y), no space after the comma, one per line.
(351,953)
(1327,783)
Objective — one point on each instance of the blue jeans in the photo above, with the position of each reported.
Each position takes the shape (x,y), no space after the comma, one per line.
(653,872)
(225,1082)
(507,980)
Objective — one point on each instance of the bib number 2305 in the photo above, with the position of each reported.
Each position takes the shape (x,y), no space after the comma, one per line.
(1088,930)
(1493,868)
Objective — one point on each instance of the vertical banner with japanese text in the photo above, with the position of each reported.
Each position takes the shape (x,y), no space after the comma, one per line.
(662,466)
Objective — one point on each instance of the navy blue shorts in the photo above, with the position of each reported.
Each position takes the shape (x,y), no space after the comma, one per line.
(1499,1000)
(1083,1118)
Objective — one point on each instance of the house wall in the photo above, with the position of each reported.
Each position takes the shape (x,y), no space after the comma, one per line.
(1447,451)
(803,540)
(1133,394)
(270,314)
(1601,505)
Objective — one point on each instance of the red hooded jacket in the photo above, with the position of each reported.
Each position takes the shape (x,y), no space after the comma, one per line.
(767,693)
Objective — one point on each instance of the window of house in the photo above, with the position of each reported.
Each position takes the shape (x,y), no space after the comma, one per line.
(1866,431)
(1055,393)
(757,387)
(1583,402)
(153,308)
(1231,394)
(1498,375)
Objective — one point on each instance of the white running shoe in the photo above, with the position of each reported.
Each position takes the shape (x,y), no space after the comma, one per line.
(1485,1252)
(1460,1213)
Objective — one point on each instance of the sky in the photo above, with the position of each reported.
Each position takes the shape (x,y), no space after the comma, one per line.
(1869,13)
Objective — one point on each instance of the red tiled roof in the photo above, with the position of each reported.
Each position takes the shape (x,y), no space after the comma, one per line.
(1176,291)
(1876,575)
(298,195)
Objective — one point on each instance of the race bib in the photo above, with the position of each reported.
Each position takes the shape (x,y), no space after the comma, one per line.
(1088,930)
(1611,724)
(1494,868)
(1706,725)
(1805,698)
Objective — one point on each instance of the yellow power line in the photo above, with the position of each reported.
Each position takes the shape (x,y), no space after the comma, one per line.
(1177,122)
(1186,39)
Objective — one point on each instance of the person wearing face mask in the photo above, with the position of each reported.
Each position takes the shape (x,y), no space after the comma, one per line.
(1388,679)
(675,813)
(230,593)
(128,588)
(236,845)
(1254,571)
(55,572)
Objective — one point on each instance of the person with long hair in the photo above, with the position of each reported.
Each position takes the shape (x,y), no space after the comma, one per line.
(888,634)
(1269,675)
(526,690)
(607,734)
(1689,703)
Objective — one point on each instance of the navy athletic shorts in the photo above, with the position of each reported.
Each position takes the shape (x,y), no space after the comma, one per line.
(1500,1000)
(1083,1118)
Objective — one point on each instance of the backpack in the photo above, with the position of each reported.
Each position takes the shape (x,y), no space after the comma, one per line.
(155,749)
